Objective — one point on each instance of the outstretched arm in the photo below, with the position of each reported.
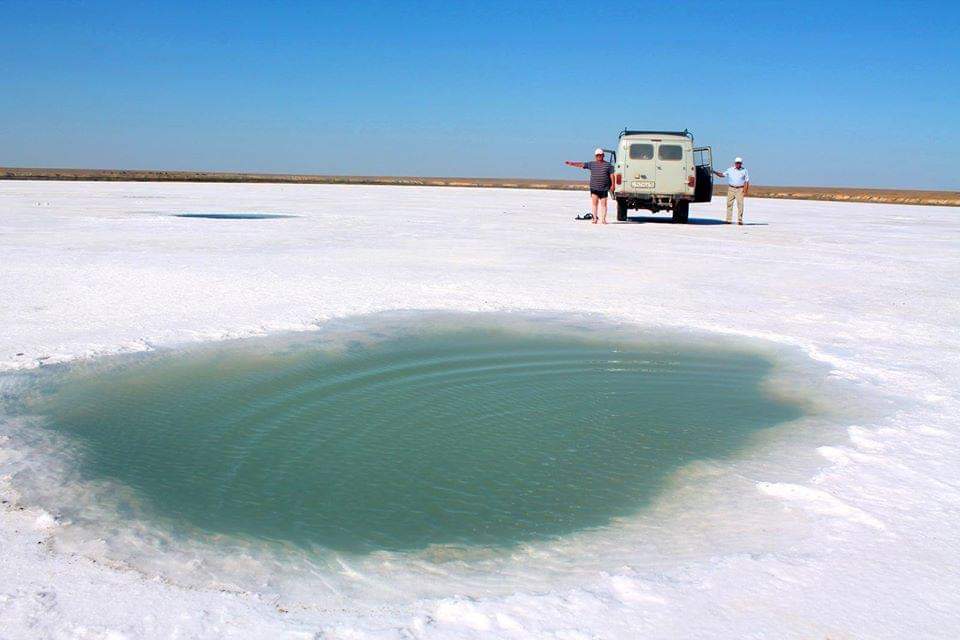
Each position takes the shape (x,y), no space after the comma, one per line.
(720,174)
(578,165)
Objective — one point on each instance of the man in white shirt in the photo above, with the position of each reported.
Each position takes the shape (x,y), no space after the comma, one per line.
(738,185)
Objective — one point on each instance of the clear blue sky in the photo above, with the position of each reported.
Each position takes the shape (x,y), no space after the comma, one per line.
(810,93)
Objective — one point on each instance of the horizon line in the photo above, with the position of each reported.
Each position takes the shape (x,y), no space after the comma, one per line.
(883,195)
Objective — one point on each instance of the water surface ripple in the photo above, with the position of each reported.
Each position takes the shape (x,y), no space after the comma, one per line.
(478,437)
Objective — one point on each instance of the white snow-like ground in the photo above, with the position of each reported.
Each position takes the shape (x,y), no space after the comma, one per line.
(847,530)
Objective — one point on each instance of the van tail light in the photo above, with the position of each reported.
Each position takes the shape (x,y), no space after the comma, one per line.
(692,181)
(619,178)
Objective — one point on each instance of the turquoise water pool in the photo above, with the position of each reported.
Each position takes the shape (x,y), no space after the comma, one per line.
(476,436)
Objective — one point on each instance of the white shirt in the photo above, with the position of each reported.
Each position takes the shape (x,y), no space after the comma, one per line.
(736,177)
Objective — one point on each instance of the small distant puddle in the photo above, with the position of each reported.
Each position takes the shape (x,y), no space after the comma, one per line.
(478,435)
(235,216)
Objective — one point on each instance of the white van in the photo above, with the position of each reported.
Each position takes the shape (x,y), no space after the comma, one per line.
(661,171)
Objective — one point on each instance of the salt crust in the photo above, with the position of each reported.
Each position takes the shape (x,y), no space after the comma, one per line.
(843,532)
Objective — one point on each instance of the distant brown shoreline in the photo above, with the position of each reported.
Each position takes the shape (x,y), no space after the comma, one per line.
(842,194)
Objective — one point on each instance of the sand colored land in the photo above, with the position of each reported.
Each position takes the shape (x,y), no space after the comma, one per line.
(841,194)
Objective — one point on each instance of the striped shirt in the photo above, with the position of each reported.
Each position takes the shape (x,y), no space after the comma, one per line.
(600,171)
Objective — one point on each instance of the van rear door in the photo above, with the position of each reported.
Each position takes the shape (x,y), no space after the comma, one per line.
(639,167)
(672,168)
(703,159)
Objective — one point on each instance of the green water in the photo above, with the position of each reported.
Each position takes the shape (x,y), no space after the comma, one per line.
(479,437)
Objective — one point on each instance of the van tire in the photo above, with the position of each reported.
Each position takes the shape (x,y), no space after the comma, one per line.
(621,210)
(681,212)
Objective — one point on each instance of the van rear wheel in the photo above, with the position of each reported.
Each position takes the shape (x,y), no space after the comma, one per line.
(621,210)
(681,212)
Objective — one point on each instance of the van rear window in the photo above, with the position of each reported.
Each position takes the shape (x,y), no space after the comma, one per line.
(671,152)
(641,152)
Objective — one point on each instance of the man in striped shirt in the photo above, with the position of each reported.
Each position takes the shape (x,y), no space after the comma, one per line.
(600,183)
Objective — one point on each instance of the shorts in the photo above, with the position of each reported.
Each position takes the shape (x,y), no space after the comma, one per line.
(599,194)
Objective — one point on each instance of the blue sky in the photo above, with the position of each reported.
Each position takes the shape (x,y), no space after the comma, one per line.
(832,94)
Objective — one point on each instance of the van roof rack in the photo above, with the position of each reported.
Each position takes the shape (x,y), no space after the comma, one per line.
(631,132)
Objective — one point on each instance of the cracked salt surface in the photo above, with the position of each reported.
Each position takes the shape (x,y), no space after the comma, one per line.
(845,527)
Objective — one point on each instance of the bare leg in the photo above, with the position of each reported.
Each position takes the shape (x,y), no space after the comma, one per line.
(593,207)
(603,210)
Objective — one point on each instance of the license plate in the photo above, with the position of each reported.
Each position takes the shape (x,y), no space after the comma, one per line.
(643,185)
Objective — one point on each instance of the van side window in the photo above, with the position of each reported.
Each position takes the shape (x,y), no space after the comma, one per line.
(671,152)
(641,152)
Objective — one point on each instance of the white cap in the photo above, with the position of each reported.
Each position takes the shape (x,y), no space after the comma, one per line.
(599,151)
(738,159)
